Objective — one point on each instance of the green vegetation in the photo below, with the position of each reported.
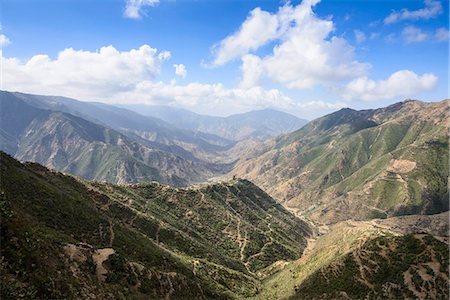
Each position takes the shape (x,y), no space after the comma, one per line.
(63,237)
(384,267)
(364,164)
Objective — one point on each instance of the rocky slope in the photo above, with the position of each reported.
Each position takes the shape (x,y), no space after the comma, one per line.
(77,146)
(359,164)
(66,238)
(134,125)
(369,259)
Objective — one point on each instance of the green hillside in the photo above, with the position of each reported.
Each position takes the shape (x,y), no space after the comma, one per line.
(75,145)
(66,238)
(386,267)
(363,164)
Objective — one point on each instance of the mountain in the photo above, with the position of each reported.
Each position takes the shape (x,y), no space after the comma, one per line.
(64,237)
(369,260)
(359,164)
(77,146)
(262,124)
(132,124)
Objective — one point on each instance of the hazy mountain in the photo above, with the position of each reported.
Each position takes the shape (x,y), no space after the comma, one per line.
(77,146)
(261,124)
(63,237)
(130,123)
(66,238)
(359,164)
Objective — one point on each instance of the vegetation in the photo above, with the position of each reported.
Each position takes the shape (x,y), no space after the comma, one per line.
(387,268)
(364,164)
(67,238)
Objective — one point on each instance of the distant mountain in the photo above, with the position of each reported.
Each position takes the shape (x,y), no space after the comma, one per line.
(131,123)
(261,124)
(359,164)
(71,144)
(66,238)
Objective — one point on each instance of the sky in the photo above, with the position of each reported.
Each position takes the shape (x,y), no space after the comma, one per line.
(221,57)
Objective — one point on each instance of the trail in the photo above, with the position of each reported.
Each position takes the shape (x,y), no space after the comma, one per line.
(242,242)
(267,244)
(111,233)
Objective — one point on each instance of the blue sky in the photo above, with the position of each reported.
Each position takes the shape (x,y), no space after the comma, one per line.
(308,58)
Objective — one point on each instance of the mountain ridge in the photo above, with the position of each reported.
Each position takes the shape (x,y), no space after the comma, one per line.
(386,150)
(262,124)
(73,144)
(66,236)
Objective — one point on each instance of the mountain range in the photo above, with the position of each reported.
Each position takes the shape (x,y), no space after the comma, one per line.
(164,203)
(261,124)
(103,142)
(359,164)
(63,237)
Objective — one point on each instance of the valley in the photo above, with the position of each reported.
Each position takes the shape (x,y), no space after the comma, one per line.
(102,202)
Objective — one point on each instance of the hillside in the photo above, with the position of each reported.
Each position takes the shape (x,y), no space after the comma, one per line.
(369,260)
(386,267)
(77,146)
(66,238)
(359,164)
(261,124)
(132,124)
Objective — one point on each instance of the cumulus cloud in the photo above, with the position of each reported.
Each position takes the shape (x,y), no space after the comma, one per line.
(4,40)
(111,76)
(180,70)
(134,9)
(251,70)
(305,55)
(259,28)
(401,84)
(83,74)
(218,100)
(432,9)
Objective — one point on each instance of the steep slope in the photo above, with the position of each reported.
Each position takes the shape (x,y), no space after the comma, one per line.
(261,124)
(72,144)
(353,259)
(411,266)
(66,238)
(130,123)
(359,164)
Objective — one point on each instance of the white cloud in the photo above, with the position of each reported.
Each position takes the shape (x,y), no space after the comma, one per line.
(213,97)
(441,35)
(134,9)
(180,70)
(432,8)
(401,84)
(259,28)
(359,36)
(4,40)
(216,99)
(111,76)
(413,34)
(305,54)
(251,70)
(83,74)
